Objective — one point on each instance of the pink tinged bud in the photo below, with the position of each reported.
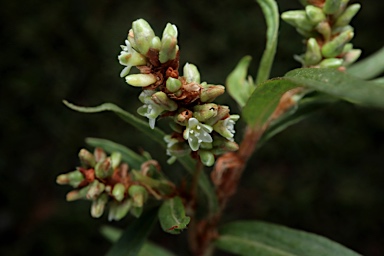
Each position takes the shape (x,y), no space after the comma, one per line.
(117,210)
(351,56)
(205,111)
(99,154)
(98,205)
(210,93)
(72,178)
(104,169)
(95,189)
(77,194)
(86,158)
(161,99)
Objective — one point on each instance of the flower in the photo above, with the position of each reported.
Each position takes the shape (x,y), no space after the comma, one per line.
(129,57)
(196,133)
(226,127)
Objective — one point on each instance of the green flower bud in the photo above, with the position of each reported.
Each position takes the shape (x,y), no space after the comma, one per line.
(104,169)
(95,189)
(98,205)
(72,178)
(161,99)
(313,54)
(348,47)
(117,211)
(226,127)
(347,15)
(86,158)
(298,19)
(210,93)
(331,6)
(314,14)
(138,194)
(118,191)
(173,84)
(169,47)
(331,63)
(205,111)
(222,113)
(140,80)
(336,46)
(191,73)
(156,43)
(143,35)
(115,159)
(222,145)
(325,29)
(77,194)
(206,157)
(136,211)
(175,148)
(351,56)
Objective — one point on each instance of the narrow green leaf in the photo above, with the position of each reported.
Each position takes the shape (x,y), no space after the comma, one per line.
(271,14)
(265,239)
(172,216)
(238,87)
(129,156)
(156,135)
(265,98)
(369,67)
(133,238)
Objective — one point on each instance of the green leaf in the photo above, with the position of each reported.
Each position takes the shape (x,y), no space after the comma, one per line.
(239,88)
(369,67)
(156,135)
(265,98)
(172,216)
(133,238)
(271,15)
(133,159)
(265,239)
(148,249)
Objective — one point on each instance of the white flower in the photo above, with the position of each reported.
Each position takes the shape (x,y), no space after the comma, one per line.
(129,57)
(226,127)
(150,109)
(196,133)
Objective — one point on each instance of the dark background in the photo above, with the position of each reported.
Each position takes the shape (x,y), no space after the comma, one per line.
(324,175)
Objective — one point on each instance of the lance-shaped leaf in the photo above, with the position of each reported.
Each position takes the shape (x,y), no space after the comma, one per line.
(265,239)
(172,216)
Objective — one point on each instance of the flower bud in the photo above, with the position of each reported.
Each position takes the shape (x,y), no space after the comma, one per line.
(95,189)
(136,211)
(140,80)
(77,194)
(351,56)
(72,178)
(209,93)
(191,73)
(313,53)
(138,194)
(118,191)
(104,169)
(335,47)
(347,15)
(222,113)
(99,154)
(331,63)
(98,205)
(222,145)
(169,47)
(115,159)
(298,19)
(86,158)
(314,14)
(325,29)
(331,6)
(205,111)
(117,211)
(143,35)
(173,84)
(156,43)
(161,99)
(183,117)
(206,157)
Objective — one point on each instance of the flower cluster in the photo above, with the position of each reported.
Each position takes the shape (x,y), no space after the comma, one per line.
(199,125)
(107,180)
(325,25)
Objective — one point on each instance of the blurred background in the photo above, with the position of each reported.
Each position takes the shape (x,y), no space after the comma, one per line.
(324,175)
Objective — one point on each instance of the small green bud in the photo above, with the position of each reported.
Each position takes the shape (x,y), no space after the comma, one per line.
(206,157)
(325,29)
(115,159)
(138,194)
(335,47)
(104,169)
(140,80)
(351,56)
(313,54)
(222,113)
(169,47)
(98,205)
(210,93)
(95,189)
(86,158)
(314,14)
(347,15)
(222,145)
(191,73)
(143,35)
(298,19)
(331,63)
(77,194)
(136,211)
(118,191)
(118,211)
(161,99)
(156,43)
(331,6)
(173,84)
(205,111)
(72,178)
(348,47)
